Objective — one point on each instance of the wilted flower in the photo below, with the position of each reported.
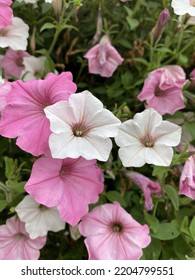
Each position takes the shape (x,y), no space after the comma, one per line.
(81,127)
(103,58)
(161,22)
(182,7)
(15,243)
(12,63)
(162,89)
(24,116)
(38,218)
(69,184)
(147,139)
(112,234)
(15,36)
(148,187)
(187,179)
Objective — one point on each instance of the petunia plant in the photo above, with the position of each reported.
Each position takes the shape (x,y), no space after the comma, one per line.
(97,130)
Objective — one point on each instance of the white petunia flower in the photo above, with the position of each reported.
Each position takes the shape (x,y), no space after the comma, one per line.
(182,7)
(81,127)
(15,35)
(34,67)
(38,218)
(147,139)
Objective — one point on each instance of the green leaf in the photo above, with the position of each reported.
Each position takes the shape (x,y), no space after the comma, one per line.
(152,252)
(167,231)
(116,196)
(47,25)
(173,195)
(3,204)
(19,188)
(160,172)
(192,228)
(152,221)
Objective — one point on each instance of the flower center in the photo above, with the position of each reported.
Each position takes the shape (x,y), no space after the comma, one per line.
(192,3)
(43,207)
(79,130)
(158,92)
(117,227)
(147,141)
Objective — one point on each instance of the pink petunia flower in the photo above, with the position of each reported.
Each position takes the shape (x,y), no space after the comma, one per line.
(69,184)
(24,116)
(15,243)
(12,63)
(162,89)
(187,179)
(38,218)
(148,187)
(103,58)
(81,127)
(15,36)
(5,88)
(112,234)
(6,13)
(147,139)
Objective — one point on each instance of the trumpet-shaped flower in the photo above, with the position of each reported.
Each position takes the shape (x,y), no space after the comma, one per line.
(187,179)
(147,139)
(24,116)
(69,184)
(81,127)
(15,36)
(15,243)
(182,7)
(6,13)
(12,63)
(148,187)
(112,234)
(162,89)
(38,218)
(103,58)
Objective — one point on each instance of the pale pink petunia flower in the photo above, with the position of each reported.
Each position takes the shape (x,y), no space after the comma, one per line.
(162,89)
(69,184)
(5,88)
(81,127)
(24,116)
(38,218)
(182,7)
(187,179)
(148,187)
(15,243)
(15,36)
(12,63)
(6,13)
(103,58)
(112,234)
(147,139)
(34,68)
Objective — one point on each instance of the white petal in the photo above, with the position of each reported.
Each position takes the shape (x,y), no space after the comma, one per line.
(148,121)
(159,155)
(168,134)
(132,155)
(129,133)
(61,117)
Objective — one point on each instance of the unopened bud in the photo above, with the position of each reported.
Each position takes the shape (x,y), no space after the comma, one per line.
(57,6)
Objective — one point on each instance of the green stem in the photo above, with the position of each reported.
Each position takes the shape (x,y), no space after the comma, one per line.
(7,192)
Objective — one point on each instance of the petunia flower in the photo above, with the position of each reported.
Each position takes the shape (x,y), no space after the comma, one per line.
(34,68)
(162,89)
(182,7)
(38,218)
(147,139)
(69,184)
(24,116)
(15,36)
(5,88)
(6,13)
(12,63)
(15,243)
(187,179)
(148,187)
(112,234)
(81,127)
(103,58)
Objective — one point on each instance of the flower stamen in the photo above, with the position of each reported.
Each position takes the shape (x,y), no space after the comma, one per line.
(116,227)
